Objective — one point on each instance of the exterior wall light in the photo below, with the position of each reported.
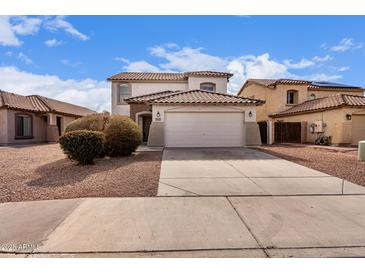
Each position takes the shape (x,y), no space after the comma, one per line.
(348,116)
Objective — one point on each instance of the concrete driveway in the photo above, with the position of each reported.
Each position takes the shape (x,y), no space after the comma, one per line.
(242,172)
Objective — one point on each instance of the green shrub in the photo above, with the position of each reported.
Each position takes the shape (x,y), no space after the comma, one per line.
(94,122)
(122,136)
(83,145)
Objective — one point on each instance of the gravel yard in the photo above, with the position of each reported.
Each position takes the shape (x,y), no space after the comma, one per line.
(342,164)
(43,172)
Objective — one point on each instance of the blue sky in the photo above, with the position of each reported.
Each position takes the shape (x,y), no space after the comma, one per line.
(69,58)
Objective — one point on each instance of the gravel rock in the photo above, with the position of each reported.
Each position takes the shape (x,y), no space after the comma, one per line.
(342,164)
(43,172)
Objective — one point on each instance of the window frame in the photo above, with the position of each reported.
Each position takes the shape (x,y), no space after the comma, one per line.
(16,123)
(208,83)
(119,100)
(295,97)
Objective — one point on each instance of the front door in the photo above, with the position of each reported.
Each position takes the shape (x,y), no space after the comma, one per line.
(59,125)
(146,121)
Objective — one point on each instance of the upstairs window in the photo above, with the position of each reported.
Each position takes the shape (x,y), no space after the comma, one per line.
(23,126)
(123,92)
(207,86)
(292,97)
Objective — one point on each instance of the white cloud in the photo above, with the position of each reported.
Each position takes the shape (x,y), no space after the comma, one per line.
(59,23)
(85,92)
(141,66)
(304,63)
(346,44)
(52,43)
(186,59)
(243,67)
(322,58)
(24,58)
(7,35)
(122,59)
(324,46)
(24,25)
(343,68)
(67,62)
(11,26)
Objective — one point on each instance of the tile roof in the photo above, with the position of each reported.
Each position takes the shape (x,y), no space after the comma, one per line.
(311,84)
(333,101)
(193,97)
(36,103)
(166,76)
(146,97)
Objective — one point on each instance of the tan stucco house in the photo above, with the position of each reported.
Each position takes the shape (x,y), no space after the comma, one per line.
(301,111)
(34,118)
(189,109)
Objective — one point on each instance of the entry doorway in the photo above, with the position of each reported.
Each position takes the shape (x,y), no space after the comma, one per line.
(59,125)
(263,131)
(146,123)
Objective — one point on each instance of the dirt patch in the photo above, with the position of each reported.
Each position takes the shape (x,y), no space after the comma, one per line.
(43,172)
(336,163)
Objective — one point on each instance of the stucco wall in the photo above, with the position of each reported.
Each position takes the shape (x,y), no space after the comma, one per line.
(3,126)
(39,128)
(337,126)
(221,83)
(324,93)
(136,108)
(66,120)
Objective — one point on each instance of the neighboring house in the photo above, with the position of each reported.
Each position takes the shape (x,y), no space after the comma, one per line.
(34,118)
(191,109)
(301,111)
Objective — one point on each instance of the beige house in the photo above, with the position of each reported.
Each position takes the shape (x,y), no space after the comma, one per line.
(34,118)
(301,111)
(191,109)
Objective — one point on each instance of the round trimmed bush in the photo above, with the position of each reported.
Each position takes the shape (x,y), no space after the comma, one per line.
(122,136)
(83,145)
(94,122)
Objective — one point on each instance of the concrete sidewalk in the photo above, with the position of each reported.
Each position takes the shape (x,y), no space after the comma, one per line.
(300,226)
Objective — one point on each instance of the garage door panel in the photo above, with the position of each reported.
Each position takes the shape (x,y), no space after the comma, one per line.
(203,129)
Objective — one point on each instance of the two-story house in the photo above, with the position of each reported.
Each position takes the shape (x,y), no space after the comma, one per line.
(302,111)
(188,109)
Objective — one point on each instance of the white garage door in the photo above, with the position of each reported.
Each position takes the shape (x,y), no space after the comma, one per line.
(203,129)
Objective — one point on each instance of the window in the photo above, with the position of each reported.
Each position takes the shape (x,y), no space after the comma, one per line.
(23,126)
(123,92)
(313,96)
(292,97)
(207,86)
